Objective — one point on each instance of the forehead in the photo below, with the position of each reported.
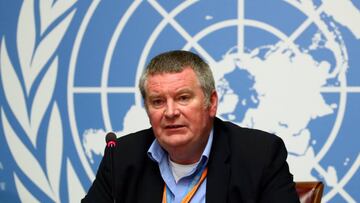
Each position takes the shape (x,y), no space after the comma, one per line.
(187,75)
(185,78)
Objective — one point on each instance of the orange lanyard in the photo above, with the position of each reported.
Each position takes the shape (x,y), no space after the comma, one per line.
(188,197)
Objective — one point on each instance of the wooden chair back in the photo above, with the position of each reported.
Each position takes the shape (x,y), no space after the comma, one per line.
(310,192)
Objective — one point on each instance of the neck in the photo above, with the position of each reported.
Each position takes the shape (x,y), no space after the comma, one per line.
(184,160)
(187,155)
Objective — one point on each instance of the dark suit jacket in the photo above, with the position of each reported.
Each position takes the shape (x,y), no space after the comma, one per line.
(245,165)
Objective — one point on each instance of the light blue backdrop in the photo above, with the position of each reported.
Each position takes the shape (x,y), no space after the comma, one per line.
(69,69)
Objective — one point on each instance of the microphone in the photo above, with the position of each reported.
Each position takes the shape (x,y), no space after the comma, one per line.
(110,140)
(111,144)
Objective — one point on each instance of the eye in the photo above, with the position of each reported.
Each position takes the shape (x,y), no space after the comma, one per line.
(157,103)
(184,99)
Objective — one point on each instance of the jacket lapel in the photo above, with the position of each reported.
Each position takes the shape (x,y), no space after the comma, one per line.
(218,166)
(152,185)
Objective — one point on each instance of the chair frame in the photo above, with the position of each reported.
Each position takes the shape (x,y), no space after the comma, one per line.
(310,190)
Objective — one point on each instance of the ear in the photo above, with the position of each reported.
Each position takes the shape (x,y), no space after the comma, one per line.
(213,103)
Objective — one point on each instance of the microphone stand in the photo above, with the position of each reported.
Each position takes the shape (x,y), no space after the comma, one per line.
(111,144)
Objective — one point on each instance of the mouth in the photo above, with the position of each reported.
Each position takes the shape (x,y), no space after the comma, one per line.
(173,126)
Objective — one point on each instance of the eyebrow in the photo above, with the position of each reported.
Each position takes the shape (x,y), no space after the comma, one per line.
(181,91)
(185,90)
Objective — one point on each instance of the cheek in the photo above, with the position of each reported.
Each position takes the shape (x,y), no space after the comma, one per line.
(154,117)
(196,120)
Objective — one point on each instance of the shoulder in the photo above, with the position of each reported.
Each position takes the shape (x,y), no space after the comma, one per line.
(142,136)
(244,135)
(249,143)
(134,145)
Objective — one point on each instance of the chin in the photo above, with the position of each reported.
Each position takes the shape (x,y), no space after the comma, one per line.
(177,143)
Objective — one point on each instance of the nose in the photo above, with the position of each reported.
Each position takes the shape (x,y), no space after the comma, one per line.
(171,110)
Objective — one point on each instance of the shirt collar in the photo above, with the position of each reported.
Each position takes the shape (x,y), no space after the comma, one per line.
(157,153)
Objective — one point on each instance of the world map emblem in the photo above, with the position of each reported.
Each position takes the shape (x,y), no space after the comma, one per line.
(293,74)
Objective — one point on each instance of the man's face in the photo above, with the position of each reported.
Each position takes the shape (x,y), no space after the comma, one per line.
(177,111)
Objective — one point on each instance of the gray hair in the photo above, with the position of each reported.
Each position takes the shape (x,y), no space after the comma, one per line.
(175,62)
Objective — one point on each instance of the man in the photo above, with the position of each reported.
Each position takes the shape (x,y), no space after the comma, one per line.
(189,155)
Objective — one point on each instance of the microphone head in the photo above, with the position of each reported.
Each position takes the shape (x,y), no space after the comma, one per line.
(110,139)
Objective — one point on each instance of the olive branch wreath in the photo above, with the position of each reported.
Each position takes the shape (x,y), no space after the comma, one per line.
(37,76)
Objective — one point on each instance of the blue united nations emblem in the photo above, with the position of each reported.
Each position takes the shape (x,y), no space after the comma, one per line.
(286,76)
